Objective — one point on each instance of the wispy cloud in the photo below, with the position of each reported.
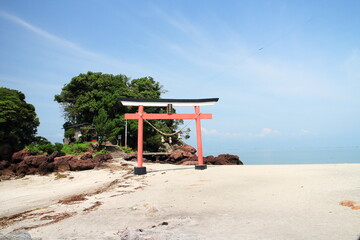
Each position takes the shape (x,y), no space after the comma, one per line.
(195,45)
(219,133)
(74,48)
(43,33)
(237,63)
(304,132)
(183,25)
(266,132)
(30,83)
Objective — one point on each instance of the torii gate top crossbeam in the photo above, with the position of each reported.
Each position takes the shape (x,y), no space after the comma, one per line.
(164,102)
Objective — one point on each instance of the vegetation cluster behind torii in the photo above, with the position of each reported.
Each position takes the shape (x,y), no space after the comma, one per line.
(94,98)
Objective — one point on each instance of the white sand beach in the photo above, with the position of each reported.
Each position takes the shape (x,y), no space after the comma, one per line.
(178,202)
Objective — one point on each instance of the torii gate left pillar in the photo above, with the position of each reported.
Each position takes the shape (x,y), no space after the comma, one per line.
(141,115)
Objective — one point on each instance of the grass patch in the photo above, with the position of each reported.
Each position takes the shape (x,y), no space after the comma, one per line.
(76,148)
(72,148)
(127,149)
(100,152)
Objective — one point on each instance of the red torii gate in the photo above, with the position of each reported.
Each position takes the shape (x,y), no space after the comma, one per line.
(141,115)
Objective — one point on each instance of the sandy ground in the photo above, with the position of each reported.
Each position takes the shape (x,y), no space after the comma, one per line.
(178,202)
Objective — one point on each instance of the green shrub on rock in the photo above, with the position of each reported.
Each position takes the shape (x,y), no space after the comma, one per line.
(41,145)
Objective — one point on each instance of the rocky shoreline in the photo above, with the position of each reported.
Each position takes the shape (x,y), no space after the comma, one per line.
(185,155)
(25,162)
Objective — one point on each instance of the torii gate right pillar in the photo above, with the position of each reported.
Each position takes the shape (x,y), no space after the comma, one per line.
(200,165)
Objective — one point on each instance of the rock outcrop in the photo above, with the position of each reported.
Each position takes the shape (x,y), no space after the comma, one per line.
(35,161)
(77,164)
(186,155)
(25,162)
(223,159)
(103,157)
(19,156)
(61,164)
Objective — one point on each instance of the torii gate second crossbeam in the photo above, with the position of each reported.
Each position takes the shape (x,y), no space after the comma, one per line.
(141,115)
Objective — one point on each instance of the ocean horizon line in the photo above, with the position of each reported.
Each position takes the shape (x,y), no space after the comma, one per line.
(292,155)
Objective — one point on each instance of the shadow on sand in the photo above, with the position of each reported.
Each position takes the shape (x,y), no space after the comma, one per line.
(180,169)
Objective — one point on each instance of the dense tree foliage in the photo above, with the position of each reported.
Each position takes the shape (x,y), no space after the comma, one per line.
(94,98)
(18,120)
(41,145)
(105,127)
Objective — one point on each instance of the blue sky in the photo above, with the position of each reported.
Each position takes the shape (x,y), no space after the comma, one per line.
(287,72)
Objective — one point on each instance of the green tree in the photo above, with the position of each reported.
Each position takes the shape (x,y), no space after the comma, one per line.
(41,145)
(18,119)
(104,126)
(94,98)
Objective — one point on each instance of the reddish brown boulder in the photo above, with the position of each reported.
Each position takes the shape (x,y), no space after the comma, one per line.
(61,164)
(12,167)
(186,148)
(6,174)
(22,163)
(52,156)
(210,160)
(22,170)
(180,154)
(177,155)
(77,164)
(85,156)
(223,159)
(19,156)
(102,157)
(228,159)
(46,168)
(32,171)
(190,163)
(193,158)
(4,164)
(35,161)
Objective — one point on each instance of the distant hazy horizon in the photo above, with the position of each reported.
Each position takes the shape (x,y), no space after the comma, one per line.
(275,156)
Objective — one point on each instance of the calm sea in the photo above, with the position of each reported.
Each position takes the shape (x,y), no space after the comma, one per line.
(294,155)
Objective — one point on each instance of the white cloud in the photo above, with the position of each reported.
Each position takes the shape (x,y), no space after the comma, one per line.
(266,131)
(217,133)
(304,132)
